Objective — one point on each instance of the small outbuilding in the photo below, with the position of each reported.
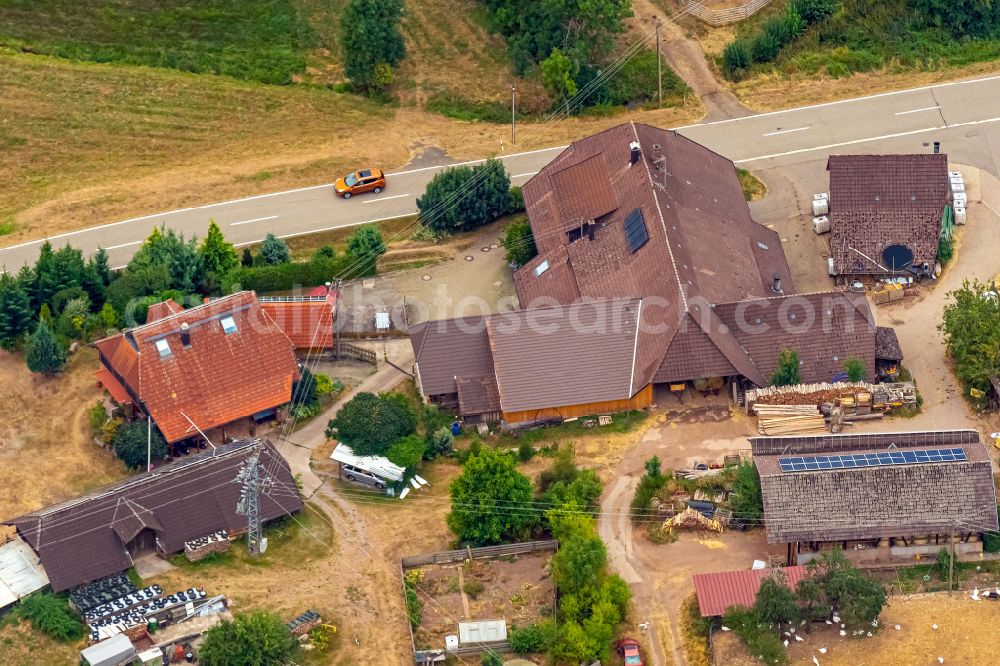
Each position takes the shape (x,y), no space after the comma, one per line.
(886,214)
(722,590)
(115,651)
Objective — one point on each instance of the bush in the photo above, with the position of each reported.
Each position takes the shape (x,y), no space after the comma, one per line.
(258,637)
(946,250)
(324,384)
(787,372)
(408,452)
(414,606)
(439,443)
(519,242)
(97,416)
(526,640)
(525,451)
(473,588)
(484,498)
(756,634)
(644,493)
(283,277)
(130,444)
(747,501)
(366,245)
(855,369)
(491,659)
(814,11)
(370,423)
(515,200)
(736,59)
(51,615)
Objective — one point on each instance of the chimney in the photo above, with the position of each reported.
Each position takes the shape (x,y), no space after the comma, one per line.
(636,152)
(776,283)
(185,335)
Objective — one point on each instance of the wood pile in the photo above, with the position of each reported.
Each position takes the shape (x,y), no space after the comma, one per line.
(789,419)
(860,396)
(690,519)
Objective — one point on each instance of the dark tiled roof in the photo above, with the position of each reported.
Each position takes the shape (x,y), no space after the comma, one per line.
(886,344)
(875,182)
(880,501)
(882,200)
(565,355)
(858,239)
(448,348)
(85,539)
(478,395)
(692,354)
(582,191)
(720,591)
(823,328)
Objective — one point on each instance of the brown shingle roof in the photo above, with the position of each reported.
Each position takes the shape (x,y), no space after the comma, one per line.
(882,200)
(84,539)
(478,395)
(878,182)
(215,380)
(448,348)
(880,501)
(565,355)
(887,344)
(582,191)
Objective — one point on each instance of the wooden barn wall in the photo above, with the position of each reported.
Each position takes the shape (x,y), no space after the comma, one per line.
(644,398)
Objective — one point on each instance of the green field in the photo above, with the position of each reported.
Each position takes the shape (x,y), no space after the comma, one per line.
(261,40)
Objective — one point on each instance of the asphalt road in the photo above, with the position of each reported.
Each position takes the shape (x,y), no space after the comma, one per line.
(963,115)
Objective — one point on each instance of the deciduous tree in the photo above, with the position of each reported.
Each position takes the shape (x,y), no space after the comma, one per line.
(370,424)
(371,42)
(130,444)
(484,499)
(365,245)
(787,372)
(971,329)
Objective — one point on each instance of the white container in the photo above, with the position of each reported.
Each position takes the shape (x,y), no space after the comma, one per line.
(960,200)
(960,216)
(954,174)
(957,187)
(821,195)
(830,268)
(821,224)
(820,207)
(956,181)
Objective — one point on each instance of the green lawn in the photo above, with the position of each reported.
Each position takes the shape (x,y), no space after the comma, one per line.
(261,40)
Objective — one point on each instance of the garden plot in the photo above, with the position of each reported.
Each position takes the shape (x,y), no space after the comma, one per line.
(514,588)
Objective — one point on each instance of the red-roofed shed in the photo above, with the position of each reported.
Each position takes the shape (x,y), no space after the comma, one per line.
(725,589)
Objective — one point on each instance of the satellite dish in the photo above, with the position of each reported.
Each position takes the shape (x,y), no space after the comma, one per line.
(263,544)
(897,257)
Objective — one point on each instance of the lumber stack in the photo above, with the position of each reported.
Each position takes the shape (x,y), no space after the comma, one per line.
(789,419)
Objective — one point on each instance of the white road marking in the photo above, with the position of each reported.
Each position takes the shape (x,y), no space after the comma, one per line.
(787,131)
(522,175)
(843,101)
(115,247)
(503,157)
(926,108)
(398,196)
(333,228)
(264,196)
(99,226)
(256,219)
(871,138)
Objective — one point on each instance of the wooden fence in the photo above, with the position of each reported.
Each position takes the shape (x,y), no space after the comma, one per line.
(717,17)
(359,353)
(485,552)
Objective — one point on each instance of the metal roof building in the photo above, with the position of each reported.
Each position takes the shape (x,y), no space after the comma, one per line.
(21,573)
(719,591)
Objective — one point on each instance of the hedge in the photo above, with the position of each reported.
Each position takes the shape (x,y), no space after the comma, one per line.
(282,277)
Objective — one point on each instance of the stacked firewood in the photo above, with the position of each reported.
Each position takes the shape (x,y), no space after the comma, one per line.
(789,419)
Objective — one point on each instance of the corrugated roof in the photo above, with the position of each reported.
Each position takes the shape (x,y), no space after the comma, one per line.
(77,540)
(878,501)
(215,379)
(20,571)
(720,591)
(377,465)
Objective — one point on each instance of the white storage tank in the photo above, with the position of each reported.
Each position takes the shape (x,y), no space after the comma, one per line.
(960,216)
(830,268)
(954,174)
(960,199)
(957,187)
(821,205)
(821,224)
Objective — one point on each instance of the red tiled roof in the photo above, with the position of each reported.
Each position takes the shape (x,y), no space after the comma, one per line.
(113,386)
(720,591)
(215,379)
(162,309)
(308,324)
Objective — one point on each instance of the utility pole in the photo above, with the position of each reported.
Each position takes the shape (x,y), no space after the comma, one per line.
(336,325)
(659,63)
(513,98)
(249,502)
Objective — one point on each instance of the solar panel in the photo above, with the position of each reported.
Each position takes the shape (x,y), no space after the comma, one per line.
(879,459)
(635,230)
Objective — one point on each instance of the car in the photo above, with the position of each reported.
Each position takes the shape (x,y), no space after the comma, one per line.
(364,180)
(628,648)
(358,475)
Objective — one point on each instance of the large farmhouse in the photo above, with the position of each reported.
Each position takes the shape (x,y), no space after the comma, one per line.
(201,368)
(649,271)
(883,498)
(886,213)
